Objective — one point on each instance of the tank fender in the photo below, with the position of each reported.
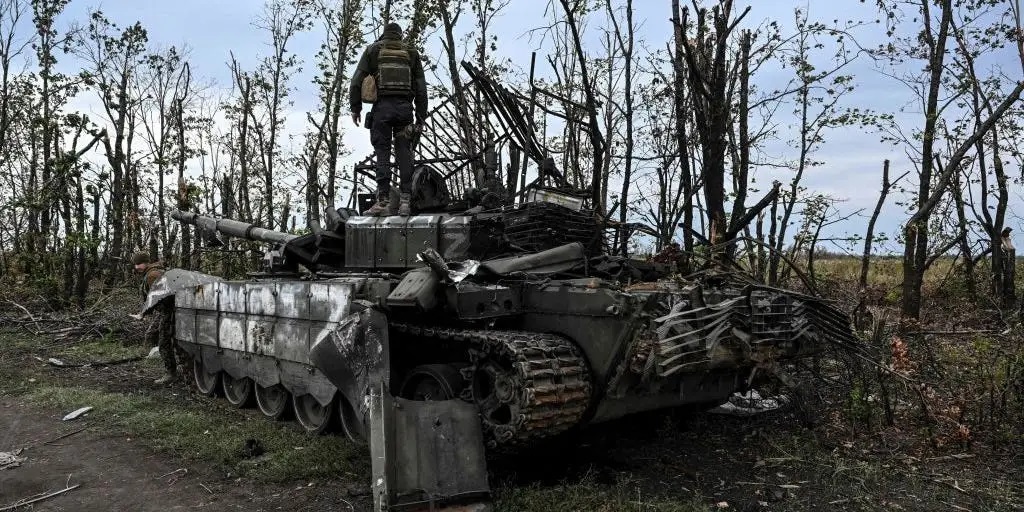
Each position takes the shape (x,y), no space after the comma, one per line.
(354,355)
(171,282)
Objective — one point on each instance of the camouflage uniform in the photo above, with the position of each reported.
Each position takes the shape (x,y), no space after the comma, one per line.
(401,94)
(160,331)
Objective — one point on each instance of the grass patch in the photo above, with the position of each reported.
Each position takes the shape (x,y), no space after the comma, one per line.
(587,495)
(101,350)
(208,434)
(12,341)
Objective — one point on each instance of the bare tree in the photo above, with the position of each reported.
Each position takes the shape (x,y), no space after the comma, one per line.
(12,46)
(163,86)
(572,11)
(667,203)
(708,75)
(240,112)
(323,141)
(931,44)
(681,103)
(450,11)
(15,96)
(53,91)
(282,20)
(818,93)
(625,46)
(112,56)
(988,156)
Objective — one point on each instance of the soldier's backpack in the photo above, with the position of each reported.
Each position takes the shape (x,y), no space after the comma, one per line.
(368,92)
(394,69)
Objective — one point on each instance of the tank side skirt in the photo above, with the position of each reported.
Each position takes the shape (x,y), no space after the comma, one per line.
(263,330)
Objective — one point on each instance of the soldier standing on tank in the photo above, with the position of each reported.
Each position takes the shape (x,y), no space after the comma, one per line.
(160,330)
(398,72)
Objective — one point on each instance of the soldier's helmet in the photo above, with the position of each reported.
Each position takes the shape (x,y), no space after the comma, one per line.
(140,258)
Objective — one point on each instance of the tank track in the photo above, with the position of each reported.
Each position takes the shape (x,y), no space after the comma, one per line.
(549,376)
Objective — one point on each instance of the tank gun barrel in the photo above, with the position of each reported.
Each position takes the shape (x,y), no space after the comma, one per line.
(232,227)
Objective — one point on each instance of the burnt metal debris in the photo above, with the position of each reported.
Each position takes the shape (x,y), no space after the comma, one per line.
(487,320)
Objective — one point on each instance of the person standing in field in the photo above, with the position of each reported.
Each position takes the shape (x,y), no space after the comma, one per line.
(160,330)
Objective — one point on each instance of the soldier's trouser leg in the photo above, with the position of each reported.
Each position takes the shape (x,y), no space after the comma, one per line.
(403,154)
(167,347)
(152,336)
(390,117)
(380,138)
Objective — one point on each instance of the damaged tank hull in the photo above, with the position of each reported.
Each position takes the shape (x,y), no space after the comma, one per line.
(487,321)
(450,359)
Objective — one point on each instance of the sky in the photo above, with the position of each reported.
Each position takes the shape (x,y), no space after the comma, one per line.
(213,29)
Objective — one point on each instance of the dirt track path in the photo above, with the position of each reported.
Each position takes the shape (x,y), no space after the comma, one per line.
(117,474)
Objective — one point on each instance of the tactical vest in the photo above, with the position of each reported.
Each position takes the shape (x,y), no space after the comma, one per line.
(394,69)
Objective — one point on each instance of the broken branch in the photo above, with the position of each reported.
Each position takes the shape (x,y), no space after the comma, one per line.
(22,502)
(69,434)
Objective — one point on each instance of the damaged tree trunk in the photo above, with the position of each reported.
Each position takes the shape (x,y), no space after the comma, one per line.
(596,138)
(707,72)
(1008,286)
(870,234)
(682,140)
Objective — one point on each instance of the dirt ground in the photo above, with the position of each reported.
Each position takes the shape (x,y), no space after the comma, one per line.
(116,473)
(670,462)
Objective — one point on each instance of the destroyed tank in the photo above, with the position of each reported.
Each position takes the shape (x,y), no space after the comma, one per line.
(473,327)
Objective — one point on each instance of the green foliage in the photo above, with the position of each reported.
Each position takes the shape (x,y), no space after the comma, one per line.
(859,406)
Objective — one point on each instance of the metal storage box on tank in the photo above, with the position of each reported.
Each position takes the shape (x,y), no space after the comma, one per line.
(204,298)
(185,315)
(360,240)
(390,242)
(455,237)
(261,317)
(232,319)
(290,334)
(422,231)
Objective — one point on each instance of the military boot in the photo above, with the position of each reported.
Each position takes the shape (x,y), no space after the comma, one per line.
(166,378)
(403,207)
(380,208)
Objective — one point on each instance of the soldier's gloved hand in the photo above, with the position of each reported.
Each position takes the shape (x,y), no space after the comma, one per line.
(355,118)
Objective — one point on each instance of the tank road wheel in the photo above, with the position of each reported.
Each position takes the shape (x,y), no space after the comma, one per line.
(272,401)
(354,430)
(238,392)
(206,382)
(433,382)
(494,391)
(313,417)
